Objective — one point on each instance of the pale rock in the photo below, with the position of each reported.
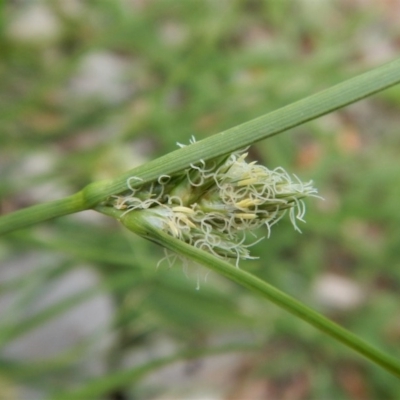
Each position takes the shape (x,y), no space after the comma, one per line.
(34,24)
(338,292)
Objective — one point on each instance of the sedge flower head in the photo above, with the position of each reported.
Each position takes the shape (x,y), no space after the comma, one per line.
(214,205)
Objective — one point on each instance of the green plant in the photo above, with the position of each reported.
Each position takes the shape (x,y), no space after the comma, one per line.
(104,195)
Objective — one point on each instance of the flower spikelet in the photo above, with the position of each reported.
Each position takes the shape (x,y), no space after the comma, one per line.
(213,205)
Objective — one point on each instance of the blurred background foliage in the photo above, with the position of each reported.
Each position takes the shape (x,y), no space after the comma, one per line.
(89,89)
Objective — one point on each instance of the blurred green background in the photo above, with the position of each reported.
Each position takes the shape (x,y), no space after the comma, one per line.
(90,89)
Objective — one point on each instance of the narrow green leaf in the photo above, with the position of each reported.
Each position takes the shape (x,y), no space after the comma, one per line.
(225,142)
(273,294)
(130,376)
(15,330)
(255,130)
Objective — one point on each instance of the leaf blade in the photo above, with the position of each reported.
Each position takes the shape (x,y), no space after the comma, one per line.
(260,128)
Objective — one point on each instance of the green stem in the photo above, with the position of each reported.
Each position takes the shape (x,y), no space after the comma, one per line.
(265,126)
(256,285)
(217,145)
(41,212)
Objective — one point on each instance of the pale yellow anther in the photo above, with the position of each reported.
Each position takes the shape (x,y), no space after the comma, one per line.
(242,157)
(185,210)
(187,221)
(245,216)
(248,203)
(173,228)
(249,181)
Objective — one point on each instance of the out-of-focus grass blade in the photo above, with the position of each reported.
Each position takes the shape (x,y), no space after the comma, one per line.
(12,331)
(128,377)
